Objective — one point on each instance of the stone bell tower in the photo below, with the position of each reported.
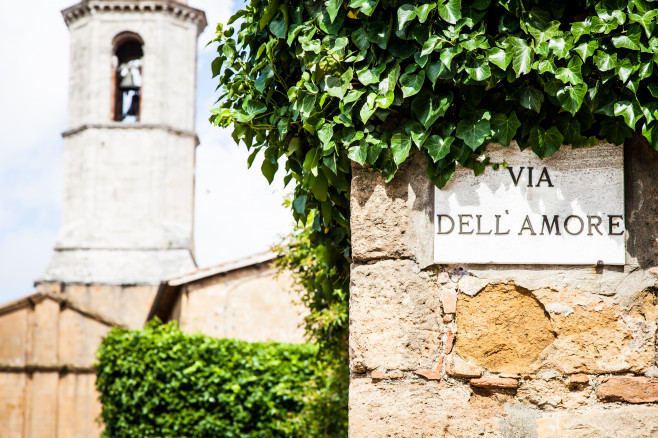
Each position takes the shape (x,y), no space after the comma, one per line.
(127,213)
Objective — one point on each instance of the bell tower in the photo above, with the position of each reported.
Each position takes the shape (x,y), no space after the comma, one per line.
(129,147)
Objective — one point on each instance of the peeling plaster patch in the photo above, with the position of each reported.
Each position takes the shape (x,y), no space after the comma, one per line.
(559,309)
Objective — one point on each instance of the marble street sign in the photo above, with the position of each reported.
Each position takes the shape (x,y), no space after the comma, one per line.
(564,210)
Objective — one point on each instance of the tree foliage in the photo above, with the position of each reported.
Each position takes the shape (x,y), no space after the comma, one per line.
(321,83)
(160,382)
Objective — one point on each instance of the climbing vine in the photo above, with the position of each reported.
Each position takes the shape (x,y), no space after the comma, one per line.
(318,84)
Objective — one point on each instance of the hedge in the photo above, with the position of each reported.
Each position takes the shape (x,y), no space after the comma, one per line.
(161,382)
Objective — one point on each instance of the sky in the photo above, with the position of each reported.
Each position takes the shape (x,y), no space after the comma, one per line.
(236,212)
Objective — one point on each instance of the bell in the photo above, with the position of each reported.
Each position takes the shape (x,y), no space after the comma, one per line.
(127,82)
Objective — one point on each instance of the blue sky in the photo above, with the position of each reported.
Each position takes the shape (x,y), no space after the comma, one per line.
(237,213)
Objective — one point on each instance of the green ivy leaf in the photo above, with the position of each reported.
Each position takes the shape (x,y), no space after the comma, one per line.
(560,47)
(400,146)
(627,41)
(368,108)
(370,75)
(269,12)
(522,56)
(605,61)
(450,10)
(504,127)
(630,111)
(448,54)
(545,143)
(475,131)
(544,32)
(528,96)
(587,49)
(423,11)
(333,6)
(571,97)
(650,132)
(437,147)
(478,69)
(579,29)
(358,153)
(499,57)
(615,130)
(253,107)
(367,7)
(572,73)
(406,13)
(411,83)
(429,107)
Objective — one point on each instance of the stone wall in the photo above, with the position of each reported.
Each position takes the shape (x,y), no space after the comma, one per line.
(498,350)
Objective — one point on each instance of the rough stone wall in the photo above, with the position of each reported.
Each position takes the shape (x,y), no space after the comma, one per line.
(251,304)
(498,350)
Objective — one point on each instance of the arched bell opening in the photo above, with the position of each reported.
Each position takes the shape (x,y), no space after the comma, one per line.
(128,55)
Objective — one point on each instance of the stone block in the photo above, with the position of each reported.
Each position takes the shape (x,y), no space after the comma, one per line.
(503,328)
(458,367)
(628,389)
(420,409)
(630,421)
(395,322)
(392,220)
(449,300)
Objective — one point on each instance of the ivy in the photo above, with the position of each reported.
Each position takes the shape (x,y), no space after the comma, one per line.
(322,83)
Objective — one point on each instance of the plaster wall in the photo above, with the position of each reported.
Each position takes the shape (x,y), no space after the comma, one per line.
(498,350)
(251,304)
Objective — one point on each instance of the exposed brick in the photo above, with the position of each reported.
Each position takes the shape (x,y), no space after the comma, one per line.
(379,375)
(450,340)
(495,382)
(439,364)
(654,270)
(429,374)
(447,318)
(628,389)
(396,375)
(449,300)
(578,379)
(458,367)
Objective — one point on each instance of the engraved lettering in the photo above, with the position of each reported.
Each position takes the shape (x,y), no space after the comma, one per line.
(463,223)
(613,223)
(479,217)
(498,232)
(591,225)
(544,177)
(452,223)
(515,179)
(566,225)
(554,224)
(527,225)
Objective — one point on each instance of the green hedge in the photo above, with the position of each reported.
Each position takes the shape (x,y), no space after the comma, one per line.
(161,382)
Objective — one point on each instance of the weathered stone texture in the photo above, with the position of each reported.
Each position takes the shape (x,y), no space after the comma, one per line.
(395,317)
(503,328)
(408,409)
(391,220)
(631,422)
